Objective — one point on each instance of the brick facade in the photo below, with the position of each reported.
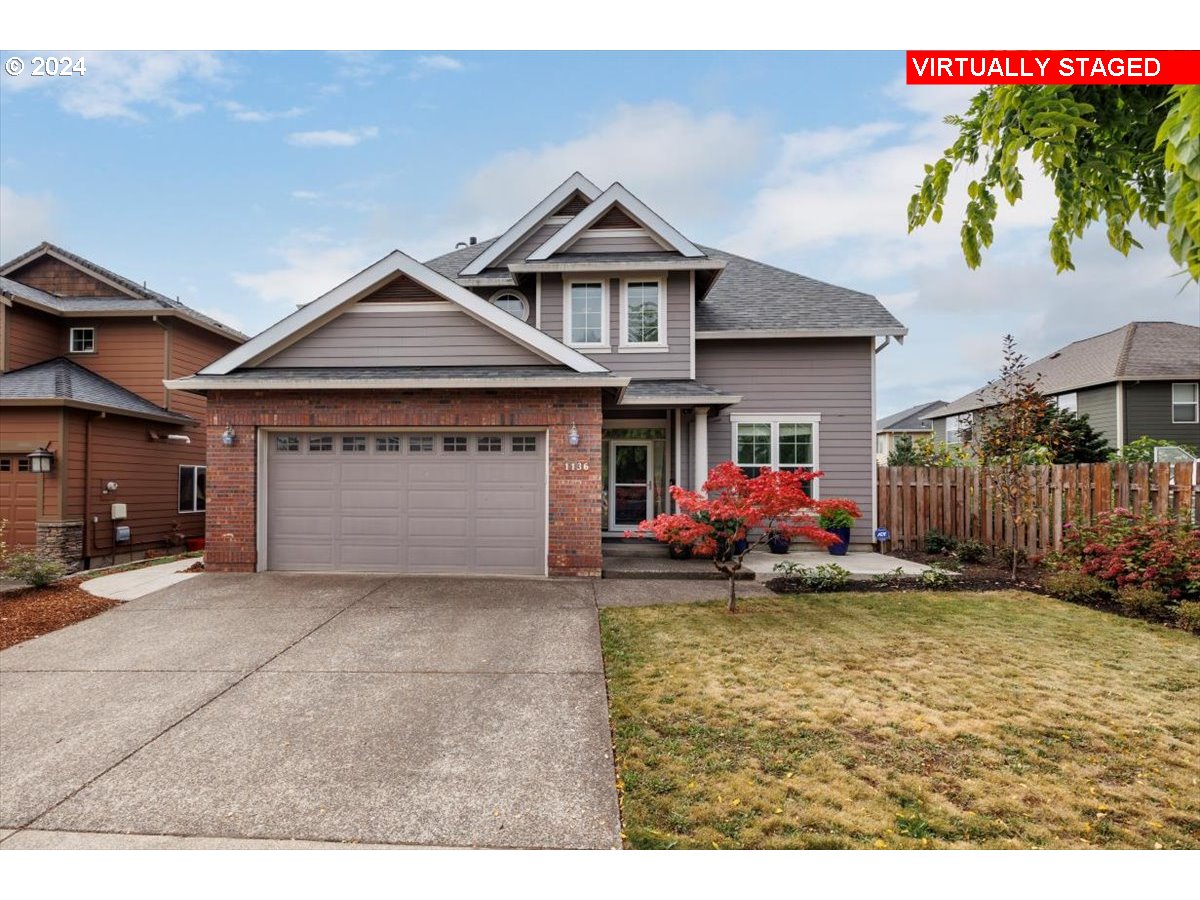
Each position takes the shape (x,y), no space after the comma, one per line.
(575,495)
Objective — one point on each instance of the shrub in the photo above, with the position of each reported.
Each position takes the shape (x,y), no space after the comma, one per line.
(936,542)
(1142,449)
(33,568)
(970,551)
(1077,587)
(1141,601)
(892,578)
(1187,615)
(826,577)
(1148,551)
(936,577)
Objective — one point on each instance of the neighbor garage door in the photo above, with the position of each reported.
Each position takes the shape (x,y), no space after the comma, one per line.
(438,502)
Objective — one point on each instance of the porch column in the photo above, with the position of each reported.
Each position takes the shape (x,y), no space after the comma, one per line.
(700,447)
(677,446)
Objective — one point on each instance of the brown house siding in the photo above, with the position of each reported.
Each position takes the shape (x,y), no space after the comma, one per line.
(130,352)
(56,277)
(24,496)
(29,337)
(191,350)
(574,499)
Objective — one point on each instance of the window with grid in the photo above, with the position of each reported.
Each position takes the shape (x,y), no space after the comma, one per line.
(83,340)
(489,445)
(354,444)
(5,464)
(420,443)
(642,312)
(320,444)
(587,313)
(23,464)
(754,447)
(525,444)
(454,444)
(389,444)
(191,488)
(1185,403)
(783,446)
(287,443)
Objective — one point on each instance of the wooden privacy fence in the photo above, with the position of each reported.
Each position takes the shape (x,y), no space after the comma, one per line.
(912,500)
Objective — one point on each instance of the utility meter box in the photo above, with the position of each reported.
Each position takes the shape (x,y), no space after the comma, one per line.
(118,512)
(123,534)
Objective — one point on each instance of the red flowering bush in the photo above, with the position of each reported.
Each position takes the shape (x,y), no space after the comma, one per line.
(1126,550)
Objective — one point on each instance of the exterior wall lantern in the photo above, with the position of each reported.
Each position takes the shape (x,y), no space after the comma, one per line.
(41,460)
(228,436)
(573,436)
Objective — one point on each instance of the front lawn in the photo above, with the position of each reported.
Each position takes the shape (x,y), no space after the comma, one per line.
(903,720)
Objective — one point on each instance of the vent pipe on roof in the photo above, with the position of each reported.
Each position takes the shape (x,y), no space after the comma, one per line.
(471,240)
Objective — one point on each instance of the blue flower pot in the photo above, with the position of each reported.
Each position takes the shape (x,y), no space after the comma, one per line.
(843,536)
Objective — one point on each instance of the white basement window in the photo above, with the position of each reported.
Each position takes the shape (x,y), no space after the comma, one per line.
(1185,402)
(191,488)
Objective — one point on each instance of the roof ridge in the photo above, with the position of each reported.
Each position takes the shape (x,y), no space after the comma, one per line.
(1127,344)
(794,274)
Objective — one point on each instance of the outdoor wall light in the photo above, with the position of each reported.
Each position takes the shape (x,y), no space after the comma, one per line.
(41,461)
(573,436)
(228,436)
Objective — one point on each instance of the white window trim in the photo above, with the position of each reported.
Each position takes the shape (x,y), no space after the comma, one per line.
(775,420)
(1074,395)
(512,292)
(179,475)
(625,345)
(1195,386)
(71,340)
(605,320)
(956,430)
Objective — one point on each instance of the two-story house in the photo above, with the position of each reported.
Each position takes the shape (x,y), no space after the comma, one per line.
(502,407)
(1140,380)
(83,355)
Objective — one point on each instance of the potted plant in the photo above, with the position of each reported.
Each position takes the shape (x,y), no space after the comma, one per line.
(837,517)
(778,542)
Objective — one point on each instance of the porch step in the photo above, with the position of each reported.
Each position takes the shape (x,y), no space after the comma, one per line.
(631,547)
(661,567)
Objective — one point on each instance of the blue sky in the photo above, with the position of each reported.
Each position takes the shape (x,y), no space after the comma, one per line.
(246,182)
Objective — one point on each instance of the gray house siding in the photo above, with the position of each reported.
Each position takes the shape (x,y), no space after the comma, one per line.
(539,236)
(526,286)
(428,338)
(939,431)
(1100,404)
(1148,412)
(595,240)
(674,363)
(830,376)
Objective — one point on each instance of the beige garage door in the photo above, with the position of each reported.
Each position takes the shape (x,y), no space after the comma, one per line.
(437,502)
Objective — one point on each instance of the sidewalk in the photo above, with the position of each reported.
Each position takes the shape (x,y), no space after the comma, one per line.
(139,582)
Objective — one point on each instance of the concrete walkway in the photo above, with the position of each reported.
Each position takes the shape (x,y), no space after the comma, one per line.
(361,709)
(861,566)
(140,582)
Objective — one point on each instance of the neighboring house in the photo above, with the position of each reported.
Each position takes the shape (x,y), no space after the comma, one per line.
(906,422)
(1139,380)
(500,408)
(83,355)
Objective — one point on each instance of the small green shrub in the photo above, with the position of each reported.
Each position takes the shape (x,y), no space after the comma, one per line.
(1141,601)
(33,568)
(1077,587)
(936,577)
(936,542)
(893,578)
(827,577)
(1187,615)
(970,551)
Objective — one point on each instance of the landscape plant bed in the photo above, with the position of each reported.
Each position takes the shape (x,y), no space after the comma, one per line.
(963,581)
(30,612)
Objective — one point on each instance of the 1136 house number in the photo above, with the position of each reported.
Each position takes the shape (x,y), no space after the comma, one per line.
(576,466)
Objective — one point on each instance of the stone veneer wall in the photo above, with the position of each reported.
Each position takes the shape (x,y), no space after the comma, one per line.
(62,541)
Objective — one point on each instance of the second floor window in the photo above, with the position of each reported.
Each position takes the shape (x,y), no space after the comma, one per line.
(83,340)
(586,310)
(1185,403)
(643,312)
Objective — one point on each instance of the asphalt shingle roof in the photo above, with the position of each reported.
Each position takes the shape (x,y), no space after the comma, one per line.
(1139,351)
(370,373)
(145,300)
(62,379)
(910,419)
(671,388)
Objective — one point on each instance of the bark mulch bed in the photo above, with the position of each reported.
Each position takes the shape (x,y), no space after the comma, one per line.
(988,575)
(31,612)
(197,566)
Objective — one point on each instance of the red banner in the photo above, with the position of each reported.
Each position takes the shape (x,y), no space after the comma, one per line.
(1052,67)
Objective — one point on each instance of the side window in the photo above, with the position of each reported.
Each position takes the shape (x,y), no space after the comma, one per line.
(83,340)
(191,488)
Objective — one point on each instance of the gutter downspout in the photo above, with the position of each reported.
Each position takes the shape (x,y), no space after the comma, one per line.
(887,339)
(1120,414)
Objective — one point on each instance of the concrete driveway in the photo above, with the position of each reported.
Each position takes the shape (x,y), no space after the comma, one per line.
(453,712)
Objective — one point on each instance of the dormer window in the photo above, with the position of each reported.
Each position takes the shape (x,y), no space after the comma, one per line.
(512,303)
(83,340)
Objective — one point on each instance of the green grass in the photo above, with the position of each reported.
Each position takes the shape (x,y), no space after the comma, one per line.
(903,720)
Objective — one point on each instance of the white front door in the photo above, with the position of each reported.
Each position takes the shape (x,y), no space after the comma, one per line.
(630,484)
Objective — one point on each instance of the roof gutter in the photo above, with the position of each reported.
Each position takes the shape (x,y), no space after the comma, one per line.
(173,418)
(752,333)
(203,383)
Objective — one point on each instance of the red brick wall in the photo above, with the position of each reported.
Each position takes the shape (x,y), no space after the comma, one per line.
(574,527)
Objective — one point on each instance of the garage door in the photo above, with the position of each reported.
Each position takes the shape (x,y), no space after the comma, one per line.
(438,502)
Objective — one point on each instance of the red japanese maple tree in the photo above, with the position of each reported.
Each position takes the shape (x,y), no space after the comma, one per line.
(735,508)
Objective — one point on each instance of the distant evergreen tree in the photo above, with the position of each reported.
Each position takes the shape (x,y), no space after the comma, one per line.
(1078,442)
(904,453)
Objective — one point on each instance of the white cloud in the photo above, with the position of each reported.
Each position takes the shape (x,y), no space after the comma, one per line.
(436,62)
(305,195)
(332,137)
(25,221)
(241,113)
(313,262)
(126,84)
(678,161)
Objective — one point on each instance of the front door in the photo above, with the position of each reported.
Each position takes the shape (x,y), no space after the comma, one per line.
(631,488)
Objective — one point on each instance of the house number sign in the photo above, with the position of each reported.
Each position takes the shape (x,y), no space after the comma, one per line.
(577,466)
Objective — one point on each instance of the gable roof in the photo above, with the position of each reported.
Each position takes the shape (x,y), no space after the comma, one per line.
(128,296)
(328,306)
(616,195)
(911,419)
(1139,351)
(525,225)
(63,382)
